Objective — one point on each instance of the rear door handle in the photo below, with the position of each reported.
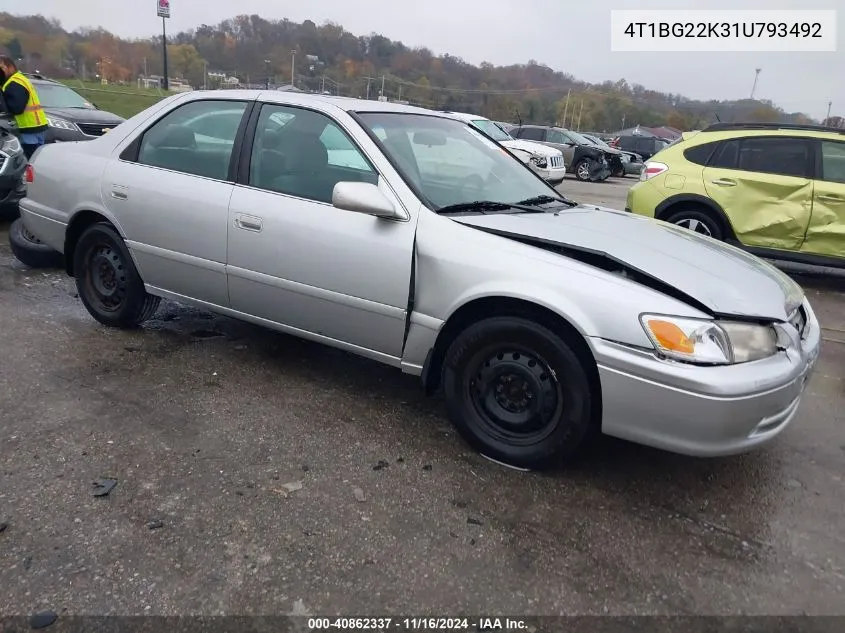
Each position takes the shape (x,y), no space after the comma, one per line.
(120,192)
(724,182)
(826,198)
(248,222)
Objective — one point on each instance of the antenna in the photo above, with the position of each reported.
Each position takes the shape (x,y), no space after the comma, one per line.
(717,117)
(519,118)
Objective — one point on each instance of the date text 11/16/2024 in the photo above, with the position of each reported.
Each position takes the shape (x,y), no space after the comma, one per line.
(383,625)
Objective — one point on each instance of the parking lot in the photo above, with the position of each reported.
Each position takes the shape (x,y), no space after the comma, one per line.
(260,474)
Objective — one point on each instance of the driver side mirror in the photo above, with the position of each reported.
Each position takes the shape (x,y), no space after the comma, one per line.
(366,198)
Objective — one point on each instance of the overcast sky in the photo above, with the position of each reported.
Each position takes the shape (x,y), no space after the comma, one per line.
(565,34)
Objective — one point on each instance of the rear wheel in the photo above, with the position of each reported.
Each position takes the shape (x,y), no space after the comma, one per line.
(517,392)
(32,251)
(108,282)
(698,221)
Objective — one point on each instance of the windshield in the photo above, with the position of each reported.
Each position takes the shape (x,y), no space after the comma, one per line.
(492,130)
(597,141)
(58,96)
(579,138)
(449,162)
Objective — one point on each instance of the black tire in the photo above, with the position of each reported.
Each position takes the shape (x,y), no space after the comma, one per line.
(491,371)
(32,251)
(583,169)
(697,220)
(10,212)
(108,282)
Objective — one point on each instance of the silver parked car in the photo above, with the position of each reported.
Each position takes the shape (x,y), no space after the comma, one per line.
(407,237)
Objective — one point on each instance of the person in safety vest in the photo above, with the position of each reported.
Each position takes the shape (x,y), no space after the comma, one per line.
(23,103)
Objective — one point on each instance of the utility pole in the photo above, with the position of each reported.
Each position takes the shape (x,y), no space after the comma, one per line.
(827,118)
(267,72)
(566,108)
(578,126)
(204,75)
(145,68)
(381,94)
(323,84)
(623,121)
(166,81)
(292,66)
(754,86)
(400,93)
(368,88)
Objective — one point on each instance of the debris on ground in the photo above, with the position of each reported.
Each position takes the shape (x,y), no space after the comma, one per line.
(299,608)
(427,467)
(381,465)
(359,495)
(102,487)
(289,487)
(3,527)
(43,619)
(155,524)
(474,521)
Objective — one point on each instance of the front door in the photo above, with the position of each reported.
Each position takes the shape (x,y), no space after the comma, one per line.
(764,185)
(826,232)
(296,260)
(170,194)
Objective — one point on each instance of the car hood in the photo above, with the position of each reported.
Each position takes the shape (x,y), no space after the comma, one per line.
(721,279)
(533,148)
(85,115)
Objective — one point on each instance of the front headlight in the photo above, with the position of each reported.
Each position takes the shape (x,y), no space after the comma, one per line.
(709,342)
(62,124)
(10,145)
(540,161)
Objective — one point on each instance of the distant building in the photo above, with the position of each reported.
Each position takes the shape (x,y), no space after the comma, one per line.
(157,82)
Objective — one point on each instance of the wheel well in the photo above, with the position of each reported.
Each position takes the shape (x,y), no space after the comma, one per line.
(717,214)
(80,222)
(487,307)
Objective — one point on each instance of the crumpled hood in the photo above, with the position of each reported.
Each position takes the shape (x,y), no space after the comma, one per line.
(725,279)
(533,148)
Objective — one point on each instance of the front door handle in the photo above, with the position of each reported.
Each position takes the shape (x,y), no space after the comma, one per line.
(248,222)
(724,182)
(826,198)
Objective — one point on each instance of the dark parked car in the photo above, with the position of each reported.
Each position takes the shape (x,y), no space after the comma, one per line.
(582,157)
(12,166)
(629,162)
(71,116)
(645,146)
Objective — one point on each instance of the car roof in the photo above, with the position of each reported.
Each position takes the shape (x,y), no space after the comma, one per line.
(465,116)
(346,104)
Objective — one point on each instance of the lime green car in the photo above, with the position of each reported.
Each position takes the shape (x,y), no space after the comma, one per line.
(776,190)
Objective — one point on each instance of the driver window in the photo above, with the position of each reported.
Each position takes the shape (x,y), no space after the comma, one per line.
(305,154)
(556,136)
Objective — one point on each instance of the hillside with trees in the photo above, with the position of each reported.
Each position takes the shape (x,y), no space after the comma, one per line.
(329,58)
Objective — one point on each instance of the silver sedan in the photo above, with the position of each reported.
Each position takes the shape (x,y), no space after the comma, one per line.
(415,240)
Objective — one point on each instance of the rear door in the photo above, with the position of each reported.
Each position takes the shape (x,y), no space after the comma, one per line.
(826,231)
(170,192)
(764,185)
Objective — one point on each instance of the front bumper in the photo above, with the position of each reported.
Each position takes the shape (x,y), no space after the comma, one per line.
(552,176)
(703,411)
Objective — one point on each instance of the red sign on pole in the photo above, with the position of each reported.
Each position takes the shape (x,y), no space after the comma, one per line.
(163,8)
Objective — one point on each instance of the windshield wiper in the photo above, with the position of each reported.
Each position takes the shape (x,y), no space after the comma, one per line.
(485,206)
(538,200)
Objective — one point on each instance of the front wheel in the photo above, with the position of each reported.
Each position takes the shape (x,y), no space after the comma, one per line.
(517,392)
(107,281)
(583,169)
(697,221)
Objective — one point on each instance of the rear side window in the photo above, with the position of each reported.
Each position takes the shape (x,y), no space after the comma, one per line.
(781,156)
(833,161)
(531,133)
(700,154)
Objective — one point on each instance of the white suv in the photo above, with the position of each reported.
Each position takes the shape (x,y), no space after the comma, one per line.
(546,161)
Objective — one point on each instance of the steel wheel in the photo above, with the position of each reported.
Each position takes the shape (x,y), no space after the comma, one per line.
(516,396)
(105,277)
